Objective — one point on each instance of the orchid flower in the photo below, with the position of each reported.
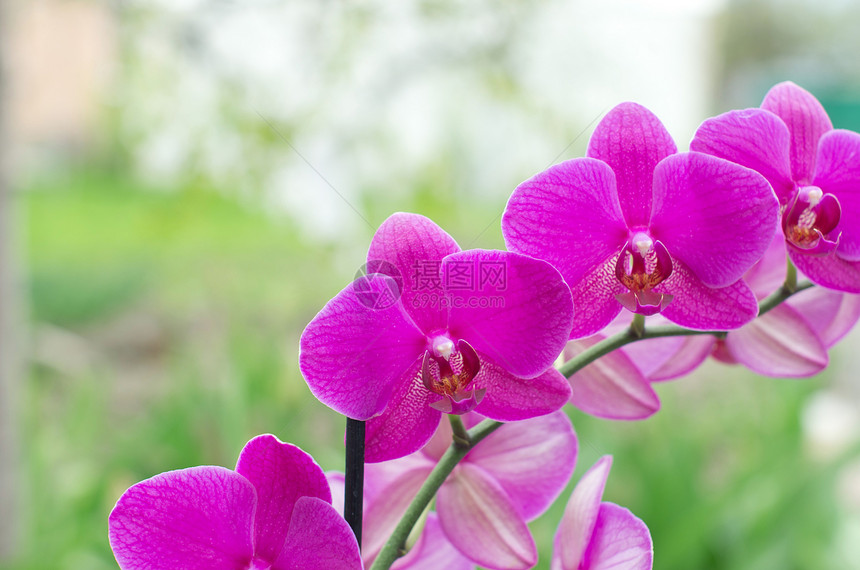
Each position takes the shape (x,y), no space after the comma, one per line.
(436,330)
(637,225)
(595,535)
(814,170)
(273,512)
(510,478)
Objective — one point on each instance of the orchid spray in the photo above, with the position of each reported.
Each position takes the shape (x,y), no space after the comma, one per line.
(625,267)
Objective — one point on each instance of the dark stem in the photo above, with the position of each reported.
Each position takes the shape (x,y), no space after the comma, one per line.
(353,493)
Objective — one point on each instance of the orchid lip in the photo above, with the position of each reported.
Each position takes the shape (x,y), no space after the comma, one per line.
(642,265)
(810,220)
(450,373)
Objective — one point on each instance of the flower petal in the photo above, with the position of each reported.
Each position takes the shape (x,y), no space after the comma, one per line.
(433,551)
(415,246)
(481,521)
(621,541)
(406,425)
(594,299)
(831,314)
(699,202)
(768,274)
(195,518)
(281,473)
(511,398)
(352,355)
(612,386)
(517,309)
(631,140)
(779,343)
(807,121)
(698,307)
(754,138)
(580,517)
(692,352)
(829,271)
(532,460)
(568,215)
(318,539)
(837,172)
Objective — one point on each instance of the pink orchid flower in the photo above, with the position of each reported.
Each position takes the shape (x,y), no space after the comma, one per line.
(814,170)
(637,225)
(272,513)
(457,331)
(595,535)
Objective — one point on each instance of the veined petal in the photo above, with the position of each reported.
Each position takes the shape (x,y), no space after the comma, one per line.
(831,314)
(406,425)
(511,398)
(433,551)
(703,308)
(611,387)
(580,517)
(754,138)
(837,172)
(807,121)
(779,343)
(829,271)
(415,245)
(352,355)
(281,473)
(532,460)
(568,215)
(621,541)
(318,539)
(594,299)
(632,140)
(199,518)
(480,520)
(715,216)
(517,310)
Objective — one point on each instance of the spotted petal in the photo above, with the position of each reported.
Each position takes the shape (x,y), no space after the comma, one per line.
(829,271)
(511,398)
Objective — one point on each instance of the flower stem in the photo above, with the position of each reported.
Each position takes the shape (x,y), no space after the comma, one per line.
(461,436)
(396,545)
(353,493)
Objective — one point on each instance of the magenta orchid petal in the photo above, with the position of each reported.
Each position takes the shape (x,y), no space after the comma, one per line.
(264,461)
(831,314)
(754,138)
(621,541)
(691,354)
(699,200)
(830,271)
(318,539)
(837,172)
(198,518)
(532,460)
(415,246)
(807,121)
(704,308)
(433,551)
(406,424)
(353,355)
(516,310)
(779,343)
(481,521)
(768,274)
(580,517)
(611,387)
(510,398)
(553,213)
(632,140)
(595,299)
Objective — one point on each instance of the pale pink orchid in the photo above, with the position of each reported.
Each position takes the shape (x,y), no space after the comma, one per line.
(596,535)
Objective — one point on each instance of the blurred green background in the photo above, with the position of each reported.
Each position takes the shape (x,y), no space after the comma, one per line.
(188,183)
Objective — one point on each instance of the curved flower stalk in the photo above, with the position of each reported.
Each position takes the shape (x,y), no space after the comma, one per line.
(272,513)
(814,170)
(638,226)
(595,535)
(507,480)
(480,331)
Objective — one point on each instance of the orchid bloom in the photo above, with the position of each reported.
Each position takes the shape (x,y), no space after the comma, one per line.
(637,225)
(273,512)
(510,478)
(595,535)
(457,331)
(814,170)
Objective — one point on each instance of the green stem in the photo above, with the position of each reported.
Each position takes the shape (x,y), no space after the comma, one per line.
(396,545)
(790,283)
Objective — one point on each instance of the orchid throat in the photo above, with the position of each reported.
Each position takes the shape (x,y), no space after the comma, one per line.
(642,265)
(449,370)
(810,219)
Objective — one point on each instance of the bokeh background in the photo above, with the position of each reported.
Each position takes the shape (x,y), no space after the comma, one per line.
(186,182)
